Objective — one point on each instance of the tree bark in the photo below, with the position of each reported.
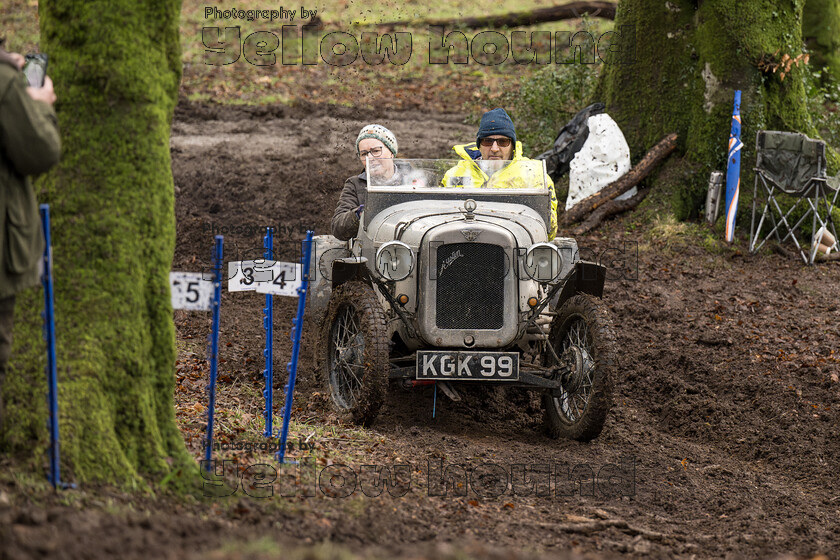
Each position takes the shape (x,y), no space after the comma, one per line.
(624,183)
(571,10)
(116,66)
(690,57)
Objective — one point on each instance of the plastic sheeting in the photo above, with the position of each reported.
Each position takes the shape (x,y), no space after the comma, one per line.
(569,141)
(604,157)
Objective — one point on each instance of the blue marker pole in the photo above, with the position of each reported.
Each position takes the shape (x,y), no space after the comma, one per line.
(49,336)
(297,327)
(733,169)
(268,324)
(214,348)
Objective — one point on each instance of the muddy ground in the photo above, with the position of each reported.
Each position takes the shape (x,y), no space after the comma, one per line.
(722,442)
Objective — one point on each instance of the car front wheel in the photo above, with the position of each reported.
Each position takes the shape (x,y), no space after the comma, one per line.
(356,362)
(582,338)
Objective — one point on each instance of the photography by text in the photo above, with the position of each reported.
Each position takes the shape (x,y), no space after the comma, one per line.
(550,479)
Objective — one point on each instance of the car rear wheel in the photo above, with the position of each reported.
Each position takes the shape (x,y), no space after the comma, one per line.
(356,353)
(582,338)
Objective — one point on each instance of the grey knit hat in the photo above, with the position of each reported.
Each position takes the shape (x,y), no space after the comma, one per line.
(380,133)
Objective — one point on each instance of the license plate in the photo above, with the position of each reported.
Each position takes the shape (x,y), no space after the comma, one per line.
(467,366)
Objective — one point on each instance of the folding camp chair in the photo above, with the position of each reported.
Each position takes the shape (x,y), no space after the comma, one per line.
(791,163)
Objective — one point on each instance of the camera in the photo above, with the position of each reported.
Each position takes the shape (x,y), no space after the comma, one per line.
(35,69)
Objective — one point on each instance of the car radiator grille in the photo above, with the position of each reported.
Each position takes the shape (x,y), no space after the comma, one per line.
(470,286)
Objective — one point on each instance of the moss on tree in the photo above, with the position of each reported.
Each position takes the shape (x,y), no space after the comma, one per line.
(821,30)
(690,57)
(116,67)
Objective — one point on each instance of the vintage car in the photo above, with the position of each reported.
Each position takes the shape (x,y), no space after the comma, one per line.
(456,282)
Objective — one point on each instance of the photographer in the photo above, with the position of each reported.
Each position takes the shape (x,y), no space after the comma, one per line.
(29,145)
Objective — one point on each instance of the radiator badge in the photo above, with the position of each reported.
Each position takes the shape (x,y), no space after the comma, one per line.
(449,260)
(470,234)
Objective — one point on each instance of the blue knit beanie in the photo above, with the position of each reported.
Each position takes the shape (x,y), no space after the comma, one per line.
(493,122)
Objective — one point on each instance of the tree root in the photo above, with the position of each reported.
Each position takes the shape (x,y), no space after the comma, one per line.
(596,526)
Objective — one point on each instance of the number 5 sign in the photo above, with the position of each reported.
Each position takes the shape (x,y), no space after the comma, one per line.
(189,291)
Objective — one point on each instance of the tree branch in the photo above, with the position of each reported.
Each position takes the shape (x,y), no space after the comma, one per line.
(623,183)
(609,209)
(572,10)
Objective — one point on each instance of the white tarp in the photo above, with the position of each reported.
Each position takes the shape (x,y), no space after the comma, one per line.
(603,158)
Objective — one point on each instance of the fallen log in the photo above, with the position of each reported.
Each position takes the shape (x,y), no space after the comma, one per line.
(777,248)
(609,209)
(624,183)
(572,10)
(822,257)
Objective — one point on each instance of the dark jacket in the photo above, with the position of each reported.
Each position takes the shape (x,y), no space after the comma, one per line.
(345,222)
(29,145)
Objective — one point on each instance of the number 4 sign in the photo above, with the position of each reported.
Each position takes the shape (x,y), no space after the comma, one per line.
(190,291)
(285,280)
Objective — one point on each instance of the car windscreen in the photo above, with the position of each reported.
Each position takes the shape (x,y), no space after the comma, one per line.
(473,176)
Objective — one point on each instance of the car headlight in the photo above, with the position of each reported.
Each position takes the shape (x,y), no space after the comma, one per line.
(543,262)
(394,260)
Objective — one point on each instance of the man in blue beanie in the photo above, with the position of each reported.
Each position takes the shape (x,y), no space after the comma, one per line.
(495,160)
(496,125)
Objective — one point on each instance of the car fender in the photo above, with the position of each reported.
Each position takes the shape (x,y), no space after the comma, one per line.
(350,268)
(586,278)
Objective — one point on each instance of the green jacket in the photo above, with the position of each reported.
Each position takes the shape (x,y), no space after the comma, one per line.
(29,145)
(520,173)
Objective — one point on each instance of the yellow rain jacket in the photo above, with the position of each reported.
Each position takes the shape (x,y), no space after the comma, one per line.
(468,174)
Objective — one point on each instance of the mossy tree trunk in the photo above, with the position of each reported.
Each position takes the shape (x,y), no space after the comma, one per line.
(690,57)
(821,30)
(116,67)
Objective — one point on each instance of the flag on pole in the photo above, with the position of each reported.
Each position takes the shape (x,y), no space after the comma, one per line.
(733,169)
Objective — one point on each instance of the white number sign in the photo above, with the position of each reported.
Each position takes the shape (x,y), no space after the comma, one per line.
(244,276)
(285,280)
(190,291)
(265,277)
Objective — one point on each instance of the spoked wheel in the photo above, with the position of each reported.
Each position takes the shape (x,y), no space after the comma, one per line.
(583,340)
(356,361)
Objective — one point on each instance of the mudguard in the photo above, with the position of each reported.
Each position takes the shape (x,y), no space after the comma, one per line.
(326,249)
(350,268)
(587,278)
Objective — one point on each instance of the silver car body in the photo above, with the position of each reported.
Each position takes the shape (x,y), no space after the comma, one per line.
(468,287)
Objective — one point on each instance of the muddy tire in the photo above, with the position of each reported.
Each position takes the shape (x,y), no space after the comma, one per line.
(582,337)
(355,360)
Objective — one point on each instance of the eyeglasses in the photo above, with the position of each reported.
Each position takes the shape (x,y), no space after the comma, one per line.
(375,152)
(502,142)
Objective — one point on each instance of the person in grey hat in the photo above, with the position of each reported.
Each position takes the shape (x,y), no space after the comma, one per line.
(380,145)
